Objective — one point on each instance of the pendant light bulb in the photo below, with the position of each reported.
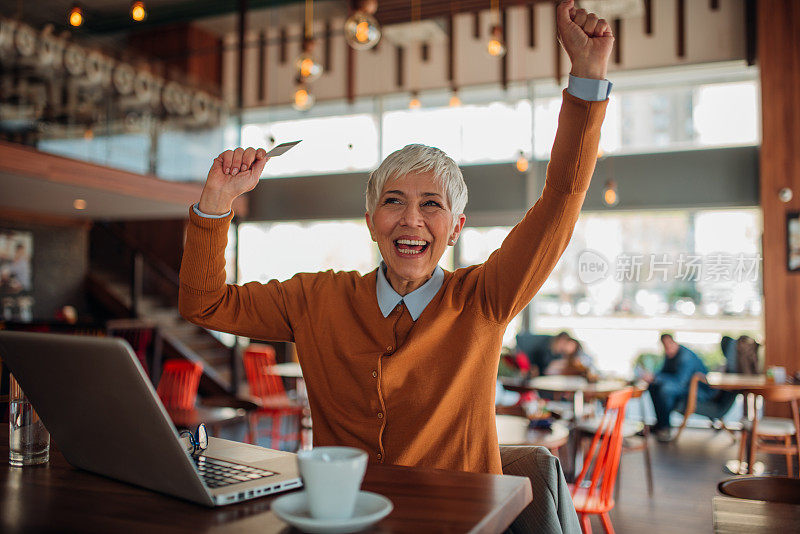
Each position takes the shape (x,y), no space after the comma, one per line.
(522,162)
(414,103)
(138,11)
(303,99)
(496,47)
(362,31)
(307,68)
(455,101)
(610,195)
(75,16)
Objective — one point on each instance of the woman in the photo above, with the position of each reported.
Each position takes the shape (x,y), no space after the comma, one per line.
(402,362)
(574,362)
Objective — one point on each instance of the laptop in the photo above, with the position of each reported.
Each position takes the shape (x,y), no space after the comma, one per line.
(101,409)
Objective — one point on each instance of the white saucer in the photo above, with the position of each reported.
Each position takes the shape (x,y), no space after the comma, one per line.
(370,508)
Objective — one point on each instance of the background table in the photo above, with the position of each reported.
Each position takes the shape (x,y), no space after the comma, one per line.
(58,498)
(743,516)
(754,387)
(580,389)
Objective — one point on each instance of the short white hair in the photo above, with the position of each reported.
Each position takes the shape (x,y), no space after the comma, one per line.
(416,159)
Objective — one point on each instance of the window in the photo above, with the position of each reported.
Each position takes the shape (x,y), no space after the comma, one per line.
(667,118)
(129,152)
(468,134)
(697,273)
(476,245)
(330,144)
(280,250)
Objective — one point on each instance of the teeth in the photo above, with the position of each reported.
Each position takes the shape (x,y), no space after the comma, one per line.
(411,242)
(409,252)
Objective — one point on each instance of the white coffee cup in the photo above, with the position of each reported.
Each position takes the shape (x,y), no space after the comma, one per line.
(332,478)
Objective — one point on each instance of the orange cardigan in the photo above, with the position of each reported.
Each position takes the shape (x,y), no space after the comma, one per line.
(417,393)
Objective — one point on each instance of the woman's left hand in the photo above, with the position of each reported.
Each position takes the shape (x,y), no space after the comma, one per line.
(587,39)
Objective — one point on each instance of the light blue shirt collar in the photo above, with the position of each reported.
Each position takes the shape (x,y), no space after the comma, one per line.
(416,301)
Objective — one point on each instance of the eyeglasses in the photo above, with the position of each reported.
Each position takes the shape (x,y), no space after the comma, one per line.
(198,440)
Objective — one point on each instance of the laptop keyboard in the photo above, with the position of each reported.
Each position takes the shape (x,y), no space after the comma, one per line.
(218,473)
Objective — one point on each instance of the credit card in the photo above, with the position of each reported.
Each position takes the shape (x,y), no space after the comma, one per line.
(282,148)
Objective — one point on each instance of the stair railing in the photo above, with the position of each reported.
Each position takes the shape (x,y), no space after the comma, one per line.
(142,258)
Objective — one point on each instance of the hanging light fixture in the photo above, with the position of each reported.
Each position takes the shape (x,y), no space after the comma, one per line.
(496,46)
(307,68)
(75,17)
(522,162)
(610,195)
(455,101)
(361,30)
(138,11)
(303,99)
(414,103)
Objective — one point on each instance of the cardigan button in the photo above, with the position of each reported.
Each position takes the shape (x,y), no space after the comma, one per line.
(389,349)
(379,456)
(380,415)
(374,374)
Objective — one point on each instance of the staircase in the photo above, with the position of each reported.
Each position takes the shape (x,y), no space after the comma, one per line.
(131,283)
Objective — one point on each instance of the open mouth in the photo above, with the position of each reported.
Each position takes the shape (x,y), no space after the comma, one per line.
(410,247)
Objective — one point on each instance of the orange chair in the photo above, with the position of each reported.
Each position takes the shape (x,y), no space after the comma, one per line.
(593,493)
(178,385)
(271,396)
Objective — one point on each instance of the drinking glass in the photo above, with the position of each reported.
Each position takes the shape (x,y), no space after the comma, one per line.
(28,439)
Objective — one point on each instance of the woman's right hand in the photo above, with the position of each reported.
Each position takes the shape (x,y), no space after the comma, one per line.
(232,173)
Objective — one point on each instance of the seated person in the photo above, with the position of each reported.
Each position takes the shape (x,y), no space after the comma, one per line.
(671,384)
(574,362)
(542,350)
(747,356)
(741,355)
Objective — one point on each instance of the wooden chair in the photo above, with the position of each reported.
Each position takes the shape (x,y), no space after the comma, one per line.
(639,441)
(635,438)
(273,403)
(593,488)
(713,409)
(774,434)
(179,383)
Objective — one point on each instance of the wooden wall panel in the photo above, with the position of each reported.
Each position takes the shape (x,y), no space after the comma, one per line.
(779,61)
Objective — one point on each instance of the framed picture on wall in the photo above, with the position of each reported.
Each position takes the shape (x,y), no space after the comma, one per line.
(793,241)
(16,275)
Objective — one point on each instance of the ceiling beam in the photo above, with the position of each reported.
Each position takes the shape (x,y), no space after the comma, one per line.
(389,12)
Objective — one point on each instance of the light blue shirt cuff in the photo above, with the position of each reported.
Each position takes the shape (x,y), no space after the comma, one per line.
(206,215)
(589,89)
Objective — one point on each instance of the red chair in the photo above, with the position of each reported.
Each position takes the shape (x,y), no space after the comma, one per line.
(593,493)
(178,385)
(271,396)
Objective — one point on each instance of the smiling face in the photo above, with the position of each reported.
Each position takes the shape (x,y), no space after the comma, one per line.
(412,224)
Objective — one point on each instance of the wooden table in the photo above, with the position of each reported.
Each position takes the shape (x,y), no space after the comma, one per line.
(552,438)
(576,386)
(743,516)
(754,387)
(58,498)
